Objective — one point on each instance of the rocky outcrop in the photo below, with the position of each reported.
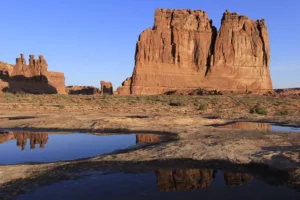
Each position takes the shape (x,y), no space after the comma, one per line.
(106,88)
(241,55)
(34,77)
(184,180)
(184,51)
(84,90)
(125,88)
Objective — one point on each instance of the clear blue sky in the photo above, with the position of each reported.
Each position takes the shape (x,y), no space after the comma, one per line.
(93,40)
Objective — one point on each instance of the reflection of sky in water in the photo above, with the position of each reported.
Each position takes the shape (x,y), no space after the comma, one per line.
(149,185)
(64,147)
(277,128)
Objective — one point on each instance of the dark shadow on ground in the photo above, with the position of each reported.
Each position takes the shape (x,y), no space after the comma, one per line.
(18,118)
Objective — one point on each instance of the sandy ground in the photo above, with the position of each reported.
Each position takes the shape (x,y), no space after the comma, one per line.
(187,123)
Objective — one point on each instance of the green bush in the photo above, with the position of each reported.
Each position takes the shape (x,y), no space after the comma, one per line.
(203,107)
(259,110)
(61,106)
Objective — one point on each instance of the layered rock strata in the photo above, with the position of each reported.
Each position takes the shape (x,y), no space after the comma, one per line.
(183,50)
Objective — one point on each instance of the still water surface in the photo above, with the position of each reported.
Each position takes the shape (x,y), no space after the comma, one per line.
(21,147)
(169,184)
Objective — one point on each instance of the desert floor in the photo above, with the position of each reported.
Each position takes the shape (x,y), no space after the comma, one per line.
(185,121)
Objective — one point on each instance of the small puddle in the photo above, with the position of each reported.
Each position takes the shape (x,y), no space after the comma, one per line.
(166,184)
(258,126)
(23,147)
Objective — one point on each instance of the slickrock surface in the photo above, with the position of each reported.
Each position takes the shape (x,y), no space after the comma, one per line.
(183,50)
(32,78)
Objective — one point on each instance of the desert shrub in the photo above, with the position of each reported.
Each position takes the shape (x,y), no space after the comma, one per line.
(176,102)
(61,106)
(282,112)
(203,107)
(259,110)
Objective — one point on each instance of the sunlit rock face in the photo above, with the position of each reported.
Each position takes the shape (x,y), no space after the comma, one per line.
(184,51)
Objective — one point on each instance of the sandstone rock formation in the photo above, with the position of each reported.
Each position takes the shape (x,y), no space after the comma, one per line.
(106,88)
(241,55)
(183,50)
(184,180)
(34,77)
(125,88)
(84,90)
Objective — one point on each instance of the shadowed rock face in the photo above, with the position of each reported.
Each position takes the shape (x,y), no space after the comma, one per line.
(183,50)
(34,77)
(84,90)
(184,180)
(106,88)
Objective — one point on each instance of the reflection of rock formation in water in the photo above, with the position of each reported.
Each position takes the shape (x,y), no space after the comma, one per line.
(184,180)
(248,126)
(147,138)
(21,137)
(4,137)
(236,179)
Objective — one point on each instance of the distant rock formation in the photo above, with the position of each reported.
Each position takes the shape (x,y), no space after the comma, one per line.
(288,92)
(106,88)
(183,50)
(32,78)
(184,180)
(84,90)
(125,88)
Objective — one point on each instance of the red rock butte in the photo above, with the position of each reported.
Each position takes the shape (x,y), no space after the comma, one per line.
(32,78)
(184,51)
